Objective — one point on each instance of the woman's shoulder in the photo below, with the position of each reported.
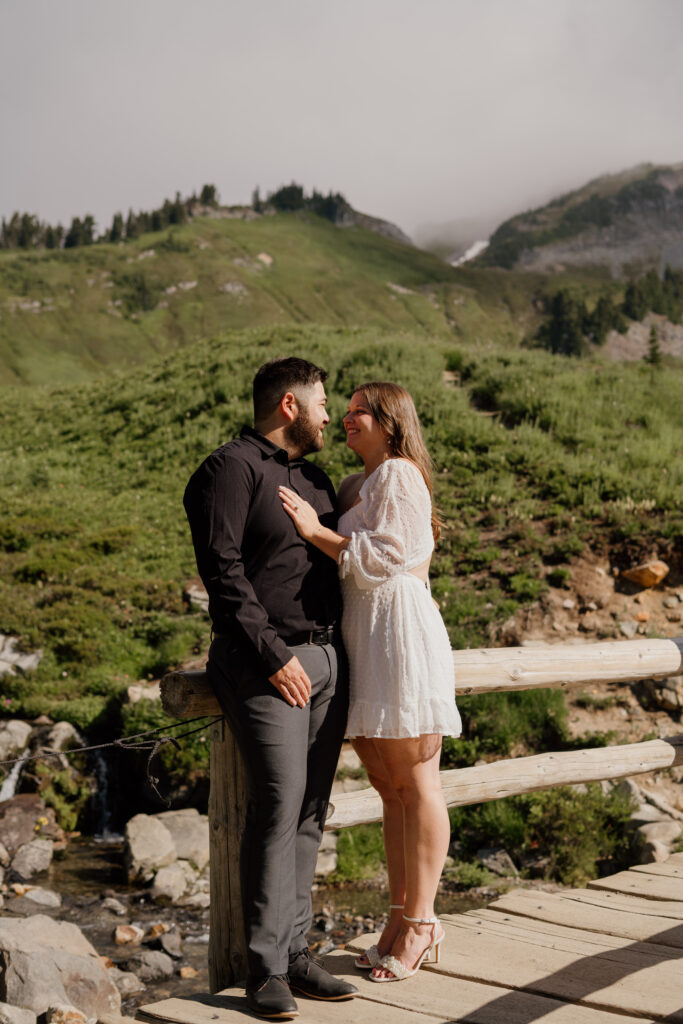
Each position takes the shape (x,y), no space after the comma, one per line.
(399,469)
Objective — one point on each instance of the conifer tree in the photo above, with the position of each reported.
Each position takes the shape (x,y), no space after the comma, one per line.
(653,356)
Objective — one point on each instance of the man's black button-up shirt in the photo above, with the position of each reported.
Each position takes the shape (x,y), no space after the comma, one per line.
(265,583)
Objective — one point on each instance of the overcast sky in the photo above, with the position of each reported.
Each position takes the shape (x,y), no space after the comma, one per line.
(422,113)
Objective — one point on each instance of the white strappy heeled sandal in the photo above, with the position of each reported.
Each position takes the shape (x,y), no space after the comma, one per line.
(371,958)
(399,970)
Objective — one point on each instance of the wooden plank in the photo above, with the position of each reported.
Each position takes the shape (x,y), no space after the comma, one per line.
(664,868)
(188,694)
(616,980)
(561,936)
(555,907)
(436,998)
(514,776)
(666,909)
(651,887)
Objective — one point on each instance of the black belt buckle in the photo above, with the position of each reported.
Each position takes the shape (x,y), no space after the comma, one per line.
(314,636)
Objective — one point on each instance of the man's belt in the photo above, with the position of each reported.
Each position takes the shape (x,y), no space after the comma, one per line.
(328,635)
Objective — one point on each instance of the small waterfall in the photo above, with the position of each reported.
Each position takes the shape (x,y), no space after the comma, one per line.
(9,785)
(102,806)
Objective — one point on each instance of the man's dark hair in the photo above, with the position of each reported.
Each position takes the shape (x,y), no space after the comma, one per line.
(276,378)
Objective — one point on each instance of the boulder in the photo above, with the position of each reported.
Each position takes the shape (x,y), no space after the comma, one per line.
(497,860)
(43,897)
(171,944)
(172,882)
(13,738)
(19,818)
(653,852)
(149,846)
(15,1015)
(126,982)
(63,736)
(196,596)
(327,855)
(190,833)
(645,813)
(11,658)
(647,574)
(32,858)
(4,856)
(662,831)
(46,963)
(143,691)
(151,965)
(128,935)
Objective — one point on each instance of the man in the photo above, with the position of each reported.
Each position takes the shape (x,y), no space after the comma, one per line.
(277,666)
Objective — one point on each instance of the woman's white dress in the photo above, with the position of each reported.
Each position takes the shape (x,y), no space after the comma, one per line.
(401,666)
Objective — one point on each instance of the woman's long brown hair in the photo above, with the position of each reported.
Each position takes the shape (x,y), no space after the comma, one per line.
(394,410)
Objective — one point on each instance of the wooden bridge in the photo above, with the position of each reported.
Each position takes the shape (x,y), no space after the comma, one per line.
(608,954)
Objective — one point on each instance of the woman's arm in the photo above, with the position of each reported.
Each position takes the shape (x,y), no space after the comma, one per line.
(305,518)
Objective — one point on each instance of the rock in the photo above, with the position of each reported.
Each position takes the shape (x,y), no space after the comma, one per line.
(645,813)
(172,944)
(157,929)
(4,856)
(143,691)
(15,1015)
(149,846)
(32,858)
(112,1018)
(653,852)
(568,604)
(497,860)
(671,602)
(628,628)
(172,882)
(111,903)
(666,694)
(43,897)
(643,616)
(64,1015)
(126,982)
(62,736)
(128,935)
(674,616)
(46,963)
(199,900)
(13,738)
(18,819)
(188,972)
(196,596)
(661,831)
(12,659)
(151,965)
(648,574)
(327,855)
(190,833)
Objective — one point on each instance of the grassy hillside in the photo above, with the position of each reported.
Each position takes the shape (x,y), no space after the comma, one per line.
(94,548)
(67,314)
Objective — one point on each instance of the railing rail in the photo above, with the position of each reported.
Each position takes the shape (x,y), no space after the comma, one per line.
(188,694)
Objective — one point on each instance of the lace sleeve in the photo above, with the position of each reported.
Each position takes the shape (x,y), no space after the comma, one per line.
(394,532)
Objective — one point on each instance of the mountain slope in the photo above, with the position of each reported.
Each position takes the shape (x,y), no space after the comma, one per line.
(67,314)
(626,222)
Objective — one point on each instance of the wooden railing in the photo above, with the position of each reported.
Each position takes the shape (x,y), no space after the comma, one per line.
(188,694)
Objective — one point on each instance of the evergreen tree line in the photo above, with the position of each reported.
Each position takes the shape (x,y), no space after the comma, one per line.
(569,328)
(26,231)
(293,197)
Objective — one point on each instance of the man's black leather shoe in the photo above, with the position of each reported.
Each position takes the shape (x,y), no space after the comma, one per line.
(306,975)
(270,997)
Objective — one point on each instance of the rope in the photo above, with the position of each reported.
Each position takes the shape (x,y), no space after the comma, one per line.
(138,741)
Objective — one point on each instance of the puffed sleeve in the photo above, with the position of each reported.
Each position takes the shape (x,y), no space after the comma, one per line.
(394,527)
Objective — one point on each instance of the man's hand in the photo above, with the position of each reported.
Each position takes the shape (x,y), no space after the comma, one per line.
(293,683)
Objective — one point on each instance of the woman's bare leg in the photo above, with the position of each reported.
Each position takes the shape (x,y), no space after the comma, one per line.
(412,765)
(392,826)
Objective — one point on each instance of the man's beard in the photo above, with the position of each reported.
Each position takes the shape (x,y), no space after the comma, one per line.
(302,435)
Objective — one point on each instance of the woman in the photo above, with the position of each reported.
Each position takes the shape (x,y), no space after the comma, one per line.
(402,695)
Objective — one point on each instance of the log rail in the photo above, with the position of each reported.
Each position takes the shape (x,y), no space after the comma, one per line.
(188,695)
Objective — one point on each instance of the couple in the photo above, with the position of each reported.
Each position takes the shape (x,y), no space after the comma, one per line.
(272,542)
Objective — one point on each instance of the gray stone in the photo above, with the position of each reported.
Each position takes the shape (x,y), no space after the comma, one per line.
(46,963)
(497,860)
(62,736)
(172,882)
(13,738)
(43,897)
(628,628)
(126,982)
(200,900)
(151,965)
(171,944)
(32,858)
(195,593)
(15,1015)
(11,658)
(18,819)
(190,833)
(627,787)
(646,813)
(653,852)
(4,856)
(149,846)
(662,831)
(116,907)
(671,602)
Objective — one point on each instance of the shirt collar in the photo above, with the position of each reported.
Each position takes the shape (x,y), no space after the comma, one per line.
(269,449)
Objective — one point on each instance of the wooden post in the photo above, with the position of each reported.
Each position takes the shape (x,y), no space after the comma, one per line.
(227,809)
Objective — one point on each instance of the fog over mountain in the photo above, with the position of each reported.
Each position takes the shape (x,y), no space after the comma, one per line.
(451,112)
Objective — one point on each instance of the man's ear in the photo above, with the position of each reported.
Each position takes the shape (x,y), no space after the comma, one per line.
(289,406)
